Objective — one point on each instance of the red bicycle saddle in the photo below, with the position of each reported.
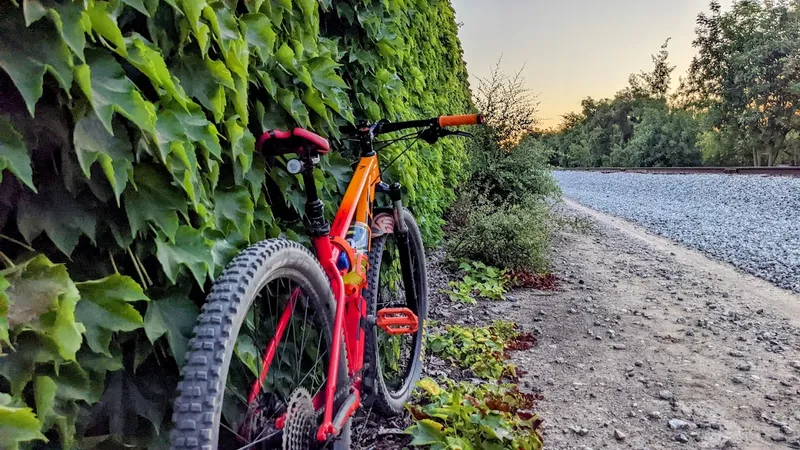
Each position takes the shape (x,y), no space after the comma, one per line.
(293,141)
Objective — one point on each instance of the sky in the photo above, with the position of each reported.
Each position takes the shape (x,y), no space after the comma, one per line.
(573,49)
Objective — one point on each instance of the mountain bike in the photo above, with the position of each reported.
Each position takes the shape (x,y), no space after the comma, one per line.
(290,344)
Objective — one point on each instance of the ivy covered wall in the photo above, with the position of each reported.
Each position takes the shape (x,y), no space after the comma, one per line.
(129,177)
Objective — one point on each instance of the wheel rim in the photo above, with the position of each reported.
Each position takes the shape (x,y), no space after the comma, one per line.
(397,353)
(299,360)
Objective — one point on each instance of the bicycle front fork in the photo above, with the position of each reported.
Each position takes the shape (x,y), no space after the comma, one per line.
(403,246)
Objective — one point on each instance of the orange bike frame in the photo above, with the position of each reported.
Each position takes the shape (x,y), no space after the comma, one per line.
(351,307)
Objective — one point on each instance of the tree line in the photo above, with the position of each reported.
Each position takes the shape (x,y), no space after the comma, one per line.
(737,105)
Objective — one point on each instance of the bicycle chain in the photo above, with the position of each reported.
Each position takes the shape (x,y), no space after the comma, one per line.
(341,392)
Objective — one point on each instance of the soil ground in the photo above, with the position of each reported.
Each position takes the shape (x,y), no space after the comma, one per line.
(647,344)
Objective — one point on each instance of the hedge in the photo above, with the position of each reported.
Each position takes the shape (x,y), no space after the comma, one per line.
(129,178)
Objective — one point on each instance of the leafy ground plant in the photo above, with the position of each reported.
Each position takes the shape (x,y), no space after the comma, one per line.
(478,280)
(466,416)
(483,350)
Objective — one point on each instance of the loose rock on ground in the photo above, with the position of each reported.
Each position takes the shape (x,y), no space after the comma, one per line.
(683,322)
(752,222)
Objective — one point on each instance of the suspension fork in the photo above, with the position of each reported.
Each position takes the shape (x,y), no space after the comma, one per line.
(403,246)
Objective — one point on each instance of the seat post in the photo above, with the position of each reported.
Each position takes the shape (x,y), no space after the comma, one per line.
(315,208)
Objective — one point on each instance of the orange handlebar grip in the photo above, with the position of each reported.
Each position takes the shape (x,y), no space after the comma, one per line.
(467,119)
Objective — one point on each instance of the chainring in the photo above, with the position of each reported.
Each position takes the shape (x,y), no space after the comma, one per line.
(301,422)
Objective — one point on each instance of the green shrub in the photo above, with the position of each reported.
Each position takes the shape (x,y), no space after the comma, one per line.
(129,177)
(505,236)
(500,216)
(511,175)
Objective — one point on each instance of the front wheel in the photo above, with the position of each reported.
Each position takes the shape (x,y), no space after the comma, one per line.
(273,303)
(395,361)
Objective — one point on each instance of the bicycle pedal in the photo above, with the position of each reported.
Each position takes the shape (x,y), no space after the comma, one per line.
(395,321)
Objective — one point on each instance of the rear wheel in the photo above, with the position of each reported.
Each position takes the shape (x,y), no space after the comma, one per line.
(273,302)
(395,361)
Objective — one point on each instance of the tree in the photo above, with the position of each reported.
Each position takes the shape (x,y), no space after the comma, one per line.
(665,137)
(746,75)
(654,84)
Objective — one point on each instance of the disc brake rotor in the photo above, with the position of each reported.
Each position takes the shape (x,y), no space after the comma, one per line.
(301,423)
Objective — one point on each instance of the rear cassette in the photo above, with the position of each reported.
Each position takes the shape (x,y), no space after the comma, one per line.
(300,426)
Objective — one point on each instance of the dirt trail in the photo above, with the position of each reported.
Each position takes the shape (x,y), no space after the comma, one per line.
(647,344)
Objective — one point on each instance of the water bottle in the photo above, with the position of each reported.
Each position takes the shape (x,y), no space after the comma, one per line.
(358,237)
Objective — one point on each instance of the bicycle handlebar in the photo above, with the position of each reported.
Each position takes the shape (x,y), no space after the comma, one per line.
(441,121)
(466,119)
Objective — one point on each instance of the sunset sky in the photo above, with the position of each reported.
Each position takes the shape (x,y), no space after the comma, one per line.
(575,48)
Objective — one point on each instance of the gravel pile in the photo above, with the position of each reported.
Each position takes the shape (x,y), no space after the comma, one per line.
(751,222)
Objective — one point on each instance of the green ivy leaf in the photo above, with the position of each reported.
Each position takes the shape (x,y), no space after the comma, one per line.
(313,100)
(125,400)
(58,214)
(175,317)
(104,23)
(288,61)
(52,408)
(294,106)
(33,10)
(345,11)
(18,425)
(239,99)
(253,178)
(226,246)
(104,83)
(268,83)
(69,18)
(14,154)
(323,72)
(192,122)
(114,151)
(190,249)
(205,80)
(309,8)
(258,34)
(154,200)
(73,383)
(148,59)
(224,26)
(98,365)
(233,210)
(30,349)
(44,52)
(243,143)
(44,393)
(43,298)
(137,5)
(105,308)
(340,168)
(193,9)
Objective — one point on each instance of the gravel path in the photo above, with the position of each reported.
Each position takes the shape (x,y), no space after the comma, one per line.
(650,345)
(751,222)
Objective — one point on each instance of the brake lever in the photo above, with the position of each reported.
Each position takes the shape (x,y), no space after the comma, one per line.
(431,135)
(461,133)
